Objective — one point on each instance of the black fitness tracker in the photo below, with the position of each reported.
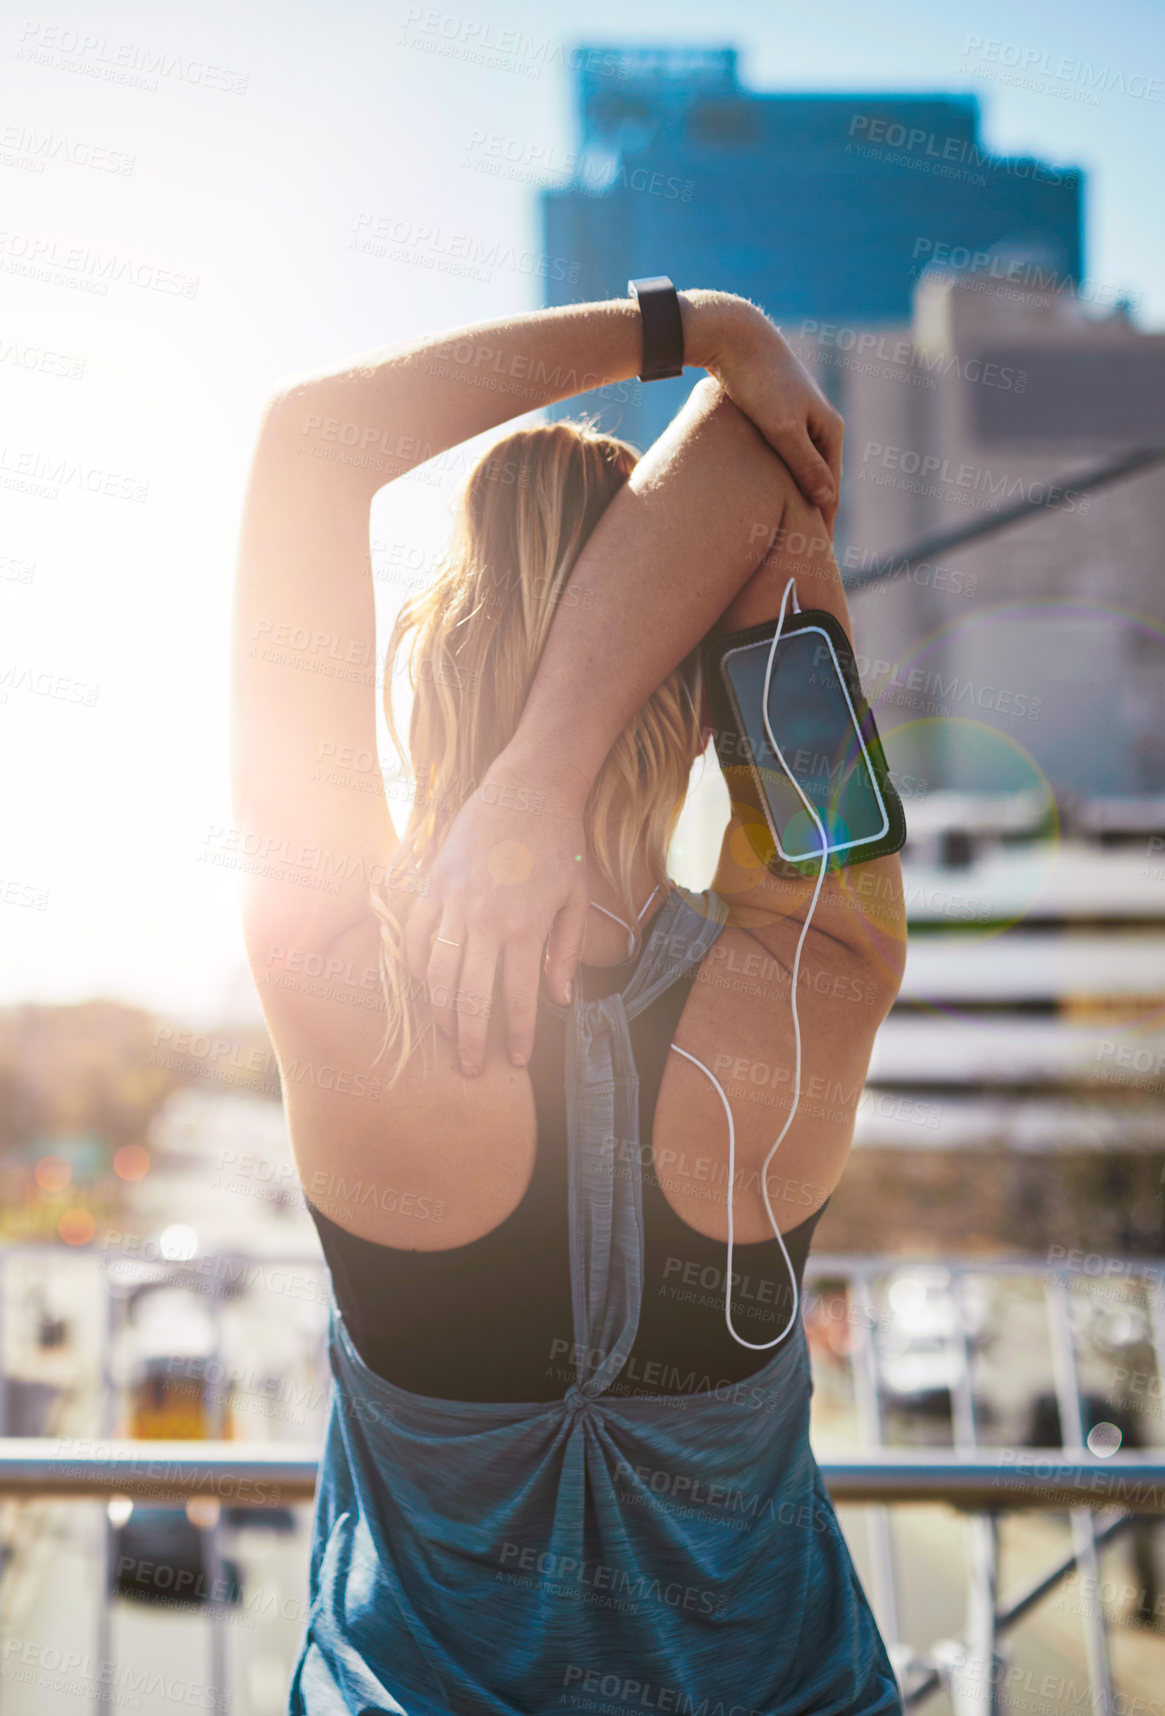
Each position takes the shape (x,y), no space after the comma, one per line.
(663,327)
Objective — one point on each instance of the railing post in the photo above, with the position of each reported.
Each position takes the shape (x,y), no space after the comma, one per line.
(3,1340)
(1157,1327)
(1067,1379)
(985,1698)
(867,1395)
(105,1408)
(3,1397)
(218,1596)
(970,1669)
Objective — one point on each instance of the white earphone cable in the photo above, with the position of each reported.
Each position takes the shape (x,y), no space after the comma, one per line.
(763,1346)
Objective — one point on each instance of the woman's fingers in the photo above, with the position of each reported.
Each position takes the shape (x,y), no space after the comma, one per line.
(420,928)
(443,970)
(771,386)
(828,433)
(472,1001)
(564,948)
(808,468)
(521,973)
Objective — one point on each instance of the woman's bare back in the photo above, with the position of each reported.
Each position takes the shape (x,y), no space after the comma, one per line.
(374,1159)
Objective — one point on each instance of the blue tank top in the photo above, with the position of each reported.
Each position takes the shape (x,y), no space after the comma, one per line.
(603,1551)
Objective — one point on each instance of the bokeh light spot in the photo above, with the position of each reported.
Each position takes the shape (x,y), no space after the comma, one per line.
(1104,1439)
(178,1243)
(52,1174)
(76,1227)
(131,1162)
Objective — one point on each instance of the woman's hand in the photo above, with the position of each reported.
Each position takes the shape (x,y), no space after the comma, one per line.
(512,867)
(752,361)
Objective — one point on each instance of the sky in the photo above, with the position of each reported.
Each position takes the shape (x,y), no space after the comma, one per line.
(234,181)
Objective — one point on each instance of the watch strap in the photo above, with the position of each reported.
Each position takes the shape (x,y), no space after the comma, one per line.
(663,327)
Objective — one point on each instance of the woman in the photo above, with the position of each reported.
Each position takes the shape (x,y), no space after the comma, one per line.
(567,1463)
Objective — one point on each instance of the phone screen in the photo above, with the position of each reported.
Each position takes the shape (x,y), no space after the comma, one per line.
(814,723)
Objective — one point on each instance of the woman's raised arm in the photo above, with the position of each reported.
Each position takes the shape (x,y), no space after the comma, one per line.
(304,659)
(676,546)
(392,409)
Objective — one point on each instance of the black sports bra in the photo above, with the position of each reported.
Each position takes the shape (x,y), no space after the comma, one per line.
(492,1320)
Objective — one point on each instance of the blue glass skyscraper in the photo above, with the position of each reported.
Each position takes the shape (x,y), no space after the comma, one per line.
(818,207)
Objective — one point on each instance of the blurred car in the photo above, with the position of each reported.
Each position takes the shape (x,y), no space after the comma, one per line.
(159,1555)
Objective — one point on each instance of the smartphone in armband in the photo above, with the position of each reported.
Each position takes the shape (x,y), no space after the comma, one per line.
(826,733)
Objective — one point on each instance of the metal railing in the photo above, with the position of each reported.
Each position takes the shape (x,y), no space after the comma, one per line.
(1004,1480)
(1103,1495)
(282,1474)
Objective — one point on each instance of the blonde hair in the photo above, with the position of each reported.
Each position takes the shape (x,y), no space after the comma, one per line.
(475,637)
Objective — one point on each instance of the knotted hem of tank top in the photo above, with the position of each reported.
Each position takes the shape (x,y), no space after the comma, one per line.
(581,1398)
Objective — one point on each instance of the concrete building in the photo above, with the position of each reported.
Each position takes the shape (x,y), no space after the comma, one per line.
(1038,651)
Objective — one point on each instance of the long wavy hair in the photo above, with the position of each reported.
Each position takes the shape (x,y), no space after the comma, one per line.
(472,641)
